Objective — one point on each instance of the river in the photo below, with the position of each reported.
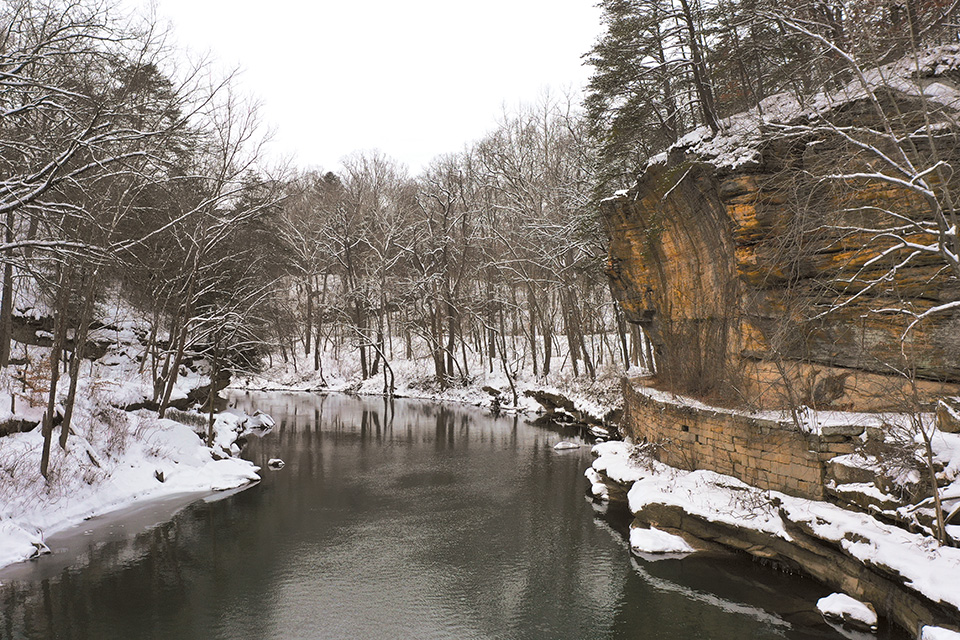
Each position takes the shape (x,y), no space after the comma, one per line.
(393,520)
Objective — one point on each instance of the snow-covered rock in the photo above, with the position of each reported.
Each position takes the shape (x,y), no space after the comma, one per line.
(938,633)
(598,488)
(840,607)
(655,541)
(19,542)
(613,459)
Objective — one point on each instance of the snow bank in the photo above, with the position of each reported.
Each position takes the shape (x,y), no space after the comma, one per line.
(923,564)
(713,496)
(19,542)
(113,458)
(138,457)
(938,633)
(710,495)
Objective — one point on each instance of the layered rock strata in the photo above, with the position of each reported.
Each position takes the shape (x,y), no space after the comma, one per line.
(762,284)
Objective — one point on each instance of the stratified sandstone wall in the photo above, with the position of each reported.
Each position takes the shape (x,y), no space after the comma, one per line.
(764,452)
(672,267)
(730,270)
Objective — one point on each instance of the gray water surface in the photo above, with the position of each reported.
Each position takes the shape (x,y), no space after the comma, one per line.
(394,520)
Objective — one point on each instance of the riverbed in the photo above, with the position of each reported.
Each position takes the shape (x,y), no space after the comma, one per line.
(400,519)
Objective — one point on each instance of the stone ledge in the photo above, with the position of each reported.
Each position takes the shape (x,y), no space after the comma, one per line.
(772,454)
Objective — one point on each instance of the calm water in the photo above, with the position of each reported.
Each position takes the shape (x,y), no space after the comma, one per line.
(411,521)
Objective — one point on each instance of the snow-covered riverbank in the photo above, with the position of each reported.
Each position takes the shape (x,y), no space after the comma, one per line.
(840,547)
(413,378)
(113,458)
(134,458)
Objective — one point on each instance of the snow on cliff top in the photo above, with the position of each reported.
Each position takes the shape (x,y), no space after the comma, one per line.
(738,140)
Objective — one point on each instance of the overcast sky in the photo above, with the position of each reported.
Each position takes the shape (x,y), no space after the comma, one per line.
(413,78)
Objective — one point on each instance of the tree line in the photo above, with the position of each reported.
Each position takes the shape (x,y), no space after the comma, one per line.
(491,255)
(662,68)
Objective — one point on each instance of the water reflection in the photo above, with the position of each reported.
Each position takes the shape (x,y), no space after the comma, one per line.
(397,520)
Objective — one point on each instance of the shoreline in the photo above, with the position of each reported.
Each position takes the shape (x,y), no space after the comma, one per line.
(159,460)
(121,522)
(133,484)
(910,583)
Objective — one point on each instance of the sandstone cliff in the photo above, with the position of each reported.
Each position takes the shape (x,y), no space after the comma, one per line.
(761,282)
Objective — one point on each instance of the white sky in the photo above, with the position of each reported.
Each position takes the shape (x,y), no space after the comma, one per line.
(412,78)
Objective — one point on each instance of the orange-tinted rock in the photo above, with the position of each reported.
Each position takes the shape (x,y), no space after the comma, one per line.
(736,273)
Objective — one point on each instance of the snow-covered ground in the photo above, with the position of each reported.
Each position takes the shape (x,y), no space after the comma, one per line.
(113,458)
(414,378)
(132,458)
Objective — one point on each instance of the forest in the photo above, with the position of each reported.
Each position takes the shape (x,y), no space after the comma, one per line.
(127,174)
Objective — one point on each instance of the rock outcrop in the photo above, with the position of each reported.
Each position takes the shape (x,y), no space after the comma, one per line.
(756,277)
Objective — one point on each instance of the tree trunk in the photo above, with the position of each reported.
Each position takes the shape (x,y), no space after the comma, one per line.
(701,80)
(622,332)
(212,395)
(361,327)
(6,304)
(178,356)
(79,343)
(160,382)
(436,345)
(503,359)
(319,324)
(573,346)
(309,332)
(451,337)
(532,333)
(59,336)
(546,328)
(150,351)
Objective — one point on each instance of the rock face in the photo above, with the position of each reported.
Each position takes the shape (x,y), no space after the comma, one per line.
(761,451)
(730,271)
(672,266)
